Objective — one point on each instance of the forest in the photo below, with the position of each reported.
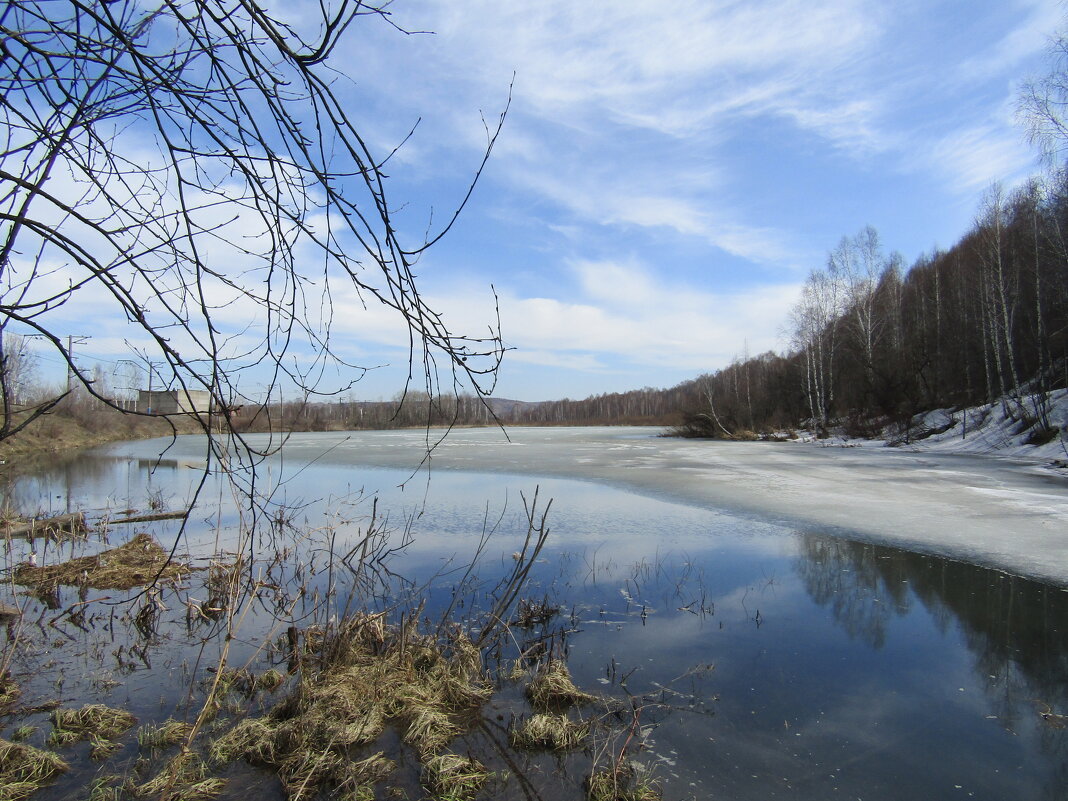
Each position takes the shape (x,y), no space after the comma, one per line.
(984,320)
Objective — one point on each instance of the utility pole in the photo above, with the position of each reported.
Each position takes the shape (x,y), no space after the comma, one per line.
(73,340)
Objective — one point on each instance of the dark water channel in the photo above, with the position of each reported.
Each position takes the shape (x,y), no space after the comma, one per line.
(785,663)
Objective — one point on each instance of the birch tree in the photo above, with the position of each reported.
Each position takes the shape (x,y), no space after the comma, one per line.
(815,334)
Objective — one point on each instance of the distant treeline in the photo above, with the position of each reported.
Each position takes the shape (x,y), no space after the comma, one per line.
(638,407)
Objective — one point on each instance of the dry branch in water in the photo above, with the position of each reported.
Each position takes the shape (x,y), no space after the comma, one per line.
(58,527)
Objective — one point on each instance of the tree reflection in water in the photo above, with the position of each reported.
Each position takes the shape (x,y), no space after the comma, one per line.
(1015,628)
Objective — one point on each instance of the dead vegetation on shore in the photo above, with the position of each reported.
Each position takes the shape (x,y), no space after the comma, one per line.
(372,708)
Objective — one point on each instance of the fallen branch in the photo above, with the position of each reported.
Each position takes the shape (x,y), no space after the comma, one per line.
(71,525)
(182,515)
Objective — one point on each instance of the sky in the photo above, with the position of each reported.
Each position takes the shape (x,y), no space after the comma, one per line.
(668,175)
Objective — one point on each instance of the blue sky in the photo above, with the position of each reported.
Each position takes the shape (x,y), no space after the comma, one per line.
(669,174)
(667,177)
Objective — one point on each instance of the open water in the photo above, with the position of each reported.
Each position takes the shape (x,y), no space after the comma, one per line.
(778,660)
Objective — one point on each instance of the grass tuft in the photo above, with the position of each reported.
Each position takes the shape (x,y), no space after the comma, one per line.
(183,778)
(94,722)
(369,676)
(552,689)
(549,731)
(134,564)
(450,777)
(9,691)
(22,733)
(624,782)
(157,737)
(25,769)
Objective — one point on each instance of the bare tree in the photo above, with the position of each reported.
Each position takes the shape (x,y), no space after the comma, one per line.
(814,324)
(1000,283)
(18,367)
(1042,106)
(860,265)
(190,166)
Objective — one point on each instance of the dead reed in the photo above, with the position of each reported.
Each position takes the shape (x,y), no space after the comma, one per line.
(549,731)
(138,562)
(552,689)
(451,777)
(369,676)
(164,735)
(25,769)
(183,778)
(91,722)
(622,782)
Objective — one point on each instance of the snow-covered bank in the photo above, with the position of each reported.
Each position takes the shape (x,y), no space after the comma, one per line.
(1008,428)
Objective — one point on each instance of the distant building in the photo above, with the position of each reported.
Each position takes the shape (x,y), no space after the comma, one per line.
(174,401)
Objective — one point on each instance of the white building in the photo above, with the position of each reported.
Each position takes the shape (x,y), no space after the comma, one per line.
(174,401)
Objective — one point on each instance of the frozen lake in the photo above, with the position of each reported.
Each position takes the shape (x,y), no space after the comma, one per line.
(807,656)
(997,512)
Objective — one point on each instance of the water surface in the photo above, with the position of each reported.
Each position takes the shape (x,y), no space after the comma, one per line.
(777,660)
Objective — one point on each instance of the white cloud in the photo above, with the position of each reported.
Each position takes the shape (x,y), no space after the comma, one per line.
(628,314)
(629,62)
(580,362)
(972,158)
(626,200)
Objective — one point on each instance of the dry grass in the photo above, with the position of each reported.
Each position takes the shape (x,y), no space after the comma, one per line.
(549,731)
(94,722)
(9,692)
(451,777)
(102,748)
(369,676)
(59,436)
(248,683)
(134,564)
(25,769)
(623,782)
(183,778)
(157,737)
(552,689)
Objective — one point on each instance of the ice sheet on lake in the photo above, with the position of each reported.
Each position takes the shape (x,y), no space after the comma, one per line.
(1010,513)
